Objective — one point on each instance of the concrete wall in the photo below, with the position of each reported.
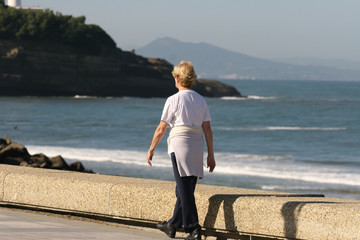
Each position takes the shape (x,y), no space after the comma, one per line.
(232,212)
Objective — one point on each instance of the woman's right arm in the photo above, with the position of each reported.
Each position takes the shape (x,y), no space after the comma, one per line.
(209,142)
(158,135)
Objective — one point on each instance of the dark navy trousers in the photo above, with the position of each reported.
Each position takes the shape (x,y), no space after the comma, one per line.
(185,212)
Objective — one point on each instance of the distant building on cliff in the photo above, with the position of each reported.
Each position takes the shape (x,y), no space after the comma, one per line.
(17,4)
(14,3)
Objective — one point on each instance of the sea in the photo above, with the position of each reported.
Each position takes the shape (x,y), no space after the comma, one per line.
(286,136)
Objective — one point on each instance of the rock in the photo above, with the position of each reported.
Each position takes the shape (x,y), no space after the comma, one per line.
(211,88)
(24,164)
(16,154)
(2,143)
(40,160)
(58,163)
(7,139)
(77,166)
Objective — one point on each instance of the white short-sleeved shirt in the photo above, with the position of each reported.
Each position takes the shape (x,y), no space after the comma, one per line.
(186,107)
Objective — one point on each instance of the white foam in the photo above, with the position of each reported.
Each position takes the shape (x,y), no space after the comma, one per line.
(84,96)
(261,97)
(233,98)
(101,155)
(271,187)
(268,166)
(312,176)
(250,97)
(281,128)
(306,128)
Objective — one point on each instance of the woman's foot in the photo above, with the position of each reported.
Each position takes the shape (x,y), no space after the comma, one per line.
(195,235)
(166,228)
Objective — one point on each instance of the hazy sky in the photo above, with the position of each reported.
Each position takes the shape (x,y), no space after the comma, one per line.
(328,29)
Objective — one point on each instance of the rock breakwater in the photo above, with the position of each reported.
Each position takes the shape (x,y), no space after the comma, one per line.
(14,153)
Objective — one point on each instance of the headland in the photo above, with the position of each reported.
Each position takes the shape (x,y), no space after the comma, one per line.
(49,54)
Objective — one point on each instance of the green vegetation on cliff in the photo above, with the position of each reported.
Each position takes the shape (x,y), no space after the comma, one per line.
(46,25)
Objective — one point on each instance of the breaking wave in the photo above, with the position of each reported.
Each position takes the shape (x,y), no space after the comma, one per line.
(265,166)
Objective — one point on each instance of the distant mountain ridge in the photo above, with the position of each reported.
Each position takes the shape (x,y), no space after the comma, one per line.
(217,63)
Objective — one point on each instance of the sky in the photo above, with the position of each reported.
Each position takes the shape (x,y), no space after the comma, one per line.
(269,29)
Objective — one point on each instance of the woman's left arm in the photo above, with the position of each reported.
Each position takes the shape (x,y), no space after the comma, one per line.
(209,142)
(158,135)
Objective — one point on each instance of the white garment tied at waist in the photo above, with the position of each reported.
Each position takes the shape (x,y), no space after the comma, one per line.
(185,128)
(182,129)
(187,143)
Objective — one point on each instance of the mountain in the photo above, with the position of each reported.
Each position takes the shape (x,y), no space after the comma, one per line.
(218,63)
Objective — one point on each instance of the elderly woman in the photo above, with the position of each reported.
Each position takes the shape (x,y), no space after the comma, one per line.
(188,115)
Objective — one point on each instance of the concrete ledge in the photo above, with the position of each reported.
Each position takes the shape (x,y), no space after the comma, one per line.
(233,212)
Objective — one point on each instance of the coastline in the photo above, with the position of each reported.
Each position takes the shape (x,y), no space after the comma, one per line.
(295,138)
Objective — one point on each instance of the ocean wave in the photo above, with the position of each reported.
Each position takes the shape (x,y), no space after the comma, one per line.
(95,97)
(281,128)
(84,96)
(253,158)
(306,128)
(228,164)
(100,155)
(250,97)
(321,176)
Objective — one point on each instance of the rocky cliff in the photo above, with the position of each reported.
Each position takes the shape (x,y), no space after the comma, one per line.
(43,68)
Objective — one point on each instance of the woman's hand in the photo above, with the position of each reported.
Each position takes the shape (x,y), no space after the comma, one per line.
(211,163)
(149,157)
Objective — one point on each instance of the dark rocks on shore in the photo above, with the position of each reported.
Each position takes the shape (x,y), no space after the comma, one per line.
(14,153)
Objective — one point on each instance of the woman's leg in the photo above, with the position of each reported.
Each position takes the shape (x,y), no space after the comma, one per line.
(185,212)
(176,220)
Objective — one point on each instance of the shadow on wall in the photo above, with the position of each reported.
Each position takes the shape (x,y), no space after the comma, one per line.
(214,207)
(289,212)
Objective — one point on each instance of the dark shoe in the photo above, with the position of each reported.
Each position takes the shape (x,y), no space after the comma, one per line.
(166,228)
(195,235)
